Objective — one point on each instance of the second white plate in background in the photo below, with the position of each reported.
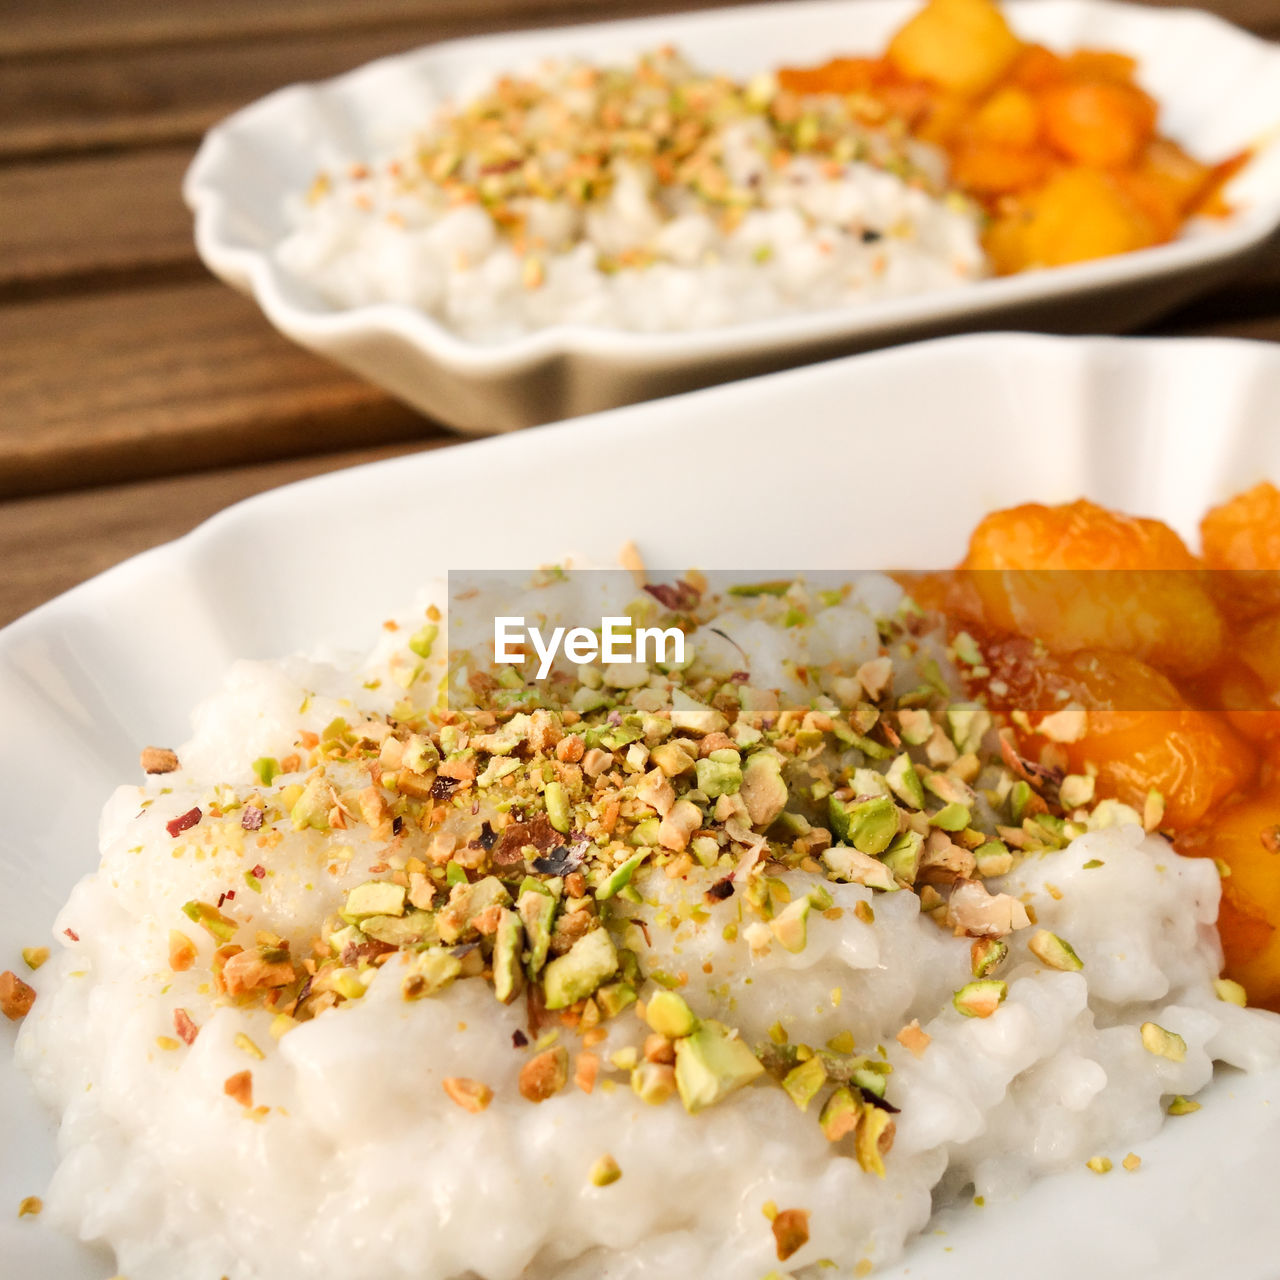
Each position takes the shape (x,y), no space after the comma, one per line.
(1219,89)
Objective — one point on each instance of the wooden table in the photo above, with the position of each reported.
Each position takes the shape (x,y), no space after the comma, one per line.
(138,395)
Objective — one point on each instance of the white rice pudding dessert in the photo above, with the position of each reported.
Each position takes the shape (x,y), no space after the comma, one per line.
(648,197)
(718,971)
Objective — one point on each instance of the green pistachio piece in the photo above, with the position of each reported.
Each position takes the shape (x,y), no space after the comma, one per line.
(915,726)
(968,723)
(1164,1044)
(422,640)
(854,867)
(672,759)
(1181,1106)
(537,910)
(1019,799)
(653,1082)
(266,767)
(905,782)
(870,1077)
(992,859)
(620,877)
(466,901)
(1231,992)
(719,777)
(873,1139)
(417,928)
(420,753)
(430,971)
(575,975)
(605,1172)
(902,857)
(669,1015)
(210,919)
(710,1065)
(839,1116)
(803,1082)
(346,982)
(373,898)
(646,833)
(508,945)
(311,809)
(873,824)
(614,997)
(986,955)
(557,802)
(1054,951)
(951,817)
(980,999)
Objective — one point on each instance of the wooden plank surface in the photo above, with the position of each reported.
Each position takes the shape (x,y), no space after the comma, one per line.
(168,379)
(155,93)
(73,26)
(49,544)
(61,26)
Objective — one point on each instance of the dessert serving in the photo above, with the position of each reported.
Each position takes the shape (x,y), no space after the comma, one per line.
(656,196)
(891,892)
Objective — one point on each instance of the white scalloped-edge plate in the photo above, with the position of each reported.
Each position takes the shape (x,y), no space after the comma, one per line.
(1219,87)
(808,470)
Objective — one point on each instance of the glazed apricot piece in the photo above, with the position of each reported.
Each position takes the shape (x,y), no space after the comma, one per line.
(1098,123)
(1037,571)
(1246,837)
(1138,732)
(1242,538)
(1251,708)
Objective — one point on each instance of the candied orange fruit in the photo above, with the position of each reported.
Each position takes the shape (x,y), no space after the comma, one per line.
(1246,838)
(1139,733)
(1081,577)
(1242,538)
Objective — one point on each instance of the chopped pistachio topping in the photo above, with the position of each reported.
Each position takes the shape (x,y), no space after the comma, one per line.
(1099,1164)
(980,999)
(605,1172)
(1164,1044)
(1230,991)
(1181,1106)
(1053,951)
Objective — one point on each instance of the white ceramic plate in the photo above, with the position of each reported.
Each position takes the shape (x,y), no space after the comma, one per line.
(1220,89)
(817,461)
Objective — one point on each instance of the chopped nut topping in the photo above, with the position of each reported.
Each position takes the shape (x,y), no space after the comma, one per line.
(790,1231)
(158,760)
(544,1075)
(240,1087)
(914,1038)
(16,997)
(470,1095)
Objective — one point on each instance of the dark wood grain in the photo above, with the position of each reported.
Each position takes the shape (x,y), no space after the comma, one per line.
(48,544)
(74,26)
(61,26)
(90,221)
(145,73)
(167,379)
(149,94)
